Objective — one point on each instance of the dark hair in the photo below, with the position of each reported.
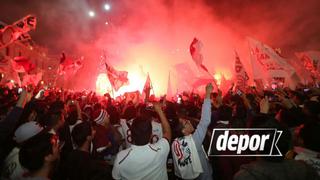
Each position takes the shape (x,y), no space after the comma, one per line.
(72,118)
(32,153)
(80,133)
(51,119)
(56,106)
(312,107)
(130,113)
(141,130)
(114,115)
(224,113)
(310,134)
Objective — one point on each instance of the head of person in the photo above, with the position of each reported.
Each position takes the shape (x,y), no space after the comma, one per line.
(183,126)
(27,131)
(72,117)
(101,117)
(54,120)
(130,113)
(141,130)
(40,152)
(311,109)
(83,133)
(309,136)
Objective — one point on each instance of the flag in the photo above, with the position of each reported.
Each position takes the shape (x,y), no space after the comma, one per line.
(31,79)
(68,67)
(267,64)
(240,73)
(22,64)
(225,84)
(201,82)
(311,62)
(10,33)
(147,87)
(169,94)
(195,51)
(185,76)
(117,78)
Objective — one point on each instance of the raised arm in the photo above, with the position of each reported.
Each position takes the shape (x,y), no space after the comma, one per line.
(200,132)
(166,130)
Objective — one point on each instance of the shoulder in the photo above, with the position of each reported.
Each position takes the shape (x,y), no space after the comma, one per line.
(161,145)
(122,156)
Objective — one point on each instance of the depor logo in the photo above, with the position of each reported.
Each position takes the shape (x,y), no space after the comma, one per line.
(244,142)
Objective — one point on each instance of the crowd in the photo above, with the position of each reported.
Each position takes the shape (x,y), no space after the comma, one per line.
(61,134)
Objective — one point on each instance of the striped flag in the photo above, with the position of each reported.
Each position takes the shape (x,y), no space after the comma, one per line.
(117,78)
(241,75)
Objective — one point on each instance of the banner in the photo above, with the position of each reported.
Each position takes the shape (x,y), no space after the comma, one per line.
(311,62)
(266,63)
(117,78)
(22,64)
(240,73)
(12,32)
(31,79)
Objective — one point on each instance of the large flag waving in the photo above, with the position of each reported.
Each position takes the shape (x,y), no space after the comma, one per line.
(195,51)
(22,64)
(12,32)
(117,78)
(267,64)
(240,73)
(311,62)
(68,67)
(32,79)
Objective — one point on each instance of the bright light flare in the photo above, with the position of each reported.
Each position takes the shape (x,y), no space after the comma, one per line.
(91,13)
(102,84)
(217,77)
(136,82)
(107,7)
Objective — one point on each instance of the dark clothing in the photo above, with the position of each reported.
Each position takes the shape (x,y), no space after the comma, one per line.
(80,165)
(284,170)
(7,127)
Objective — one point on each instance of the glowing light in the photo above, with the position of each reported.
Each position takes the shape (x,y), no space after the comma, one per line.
(91,13)
(217,77)
(42,82)
(102,84)
(107,7)
(12,81)
(106,23)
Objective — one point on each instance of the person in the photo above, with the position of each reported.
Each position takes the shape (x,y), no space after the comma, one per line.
(144,160)
(309,149)
(12,168)
(8,125)
(39,156)
(80,164)
(275,167)
(189,159)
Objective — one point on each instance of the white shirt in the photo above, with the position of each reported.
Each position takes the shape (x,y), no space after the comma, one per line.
(142,162)
(126,132)
(12,167)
